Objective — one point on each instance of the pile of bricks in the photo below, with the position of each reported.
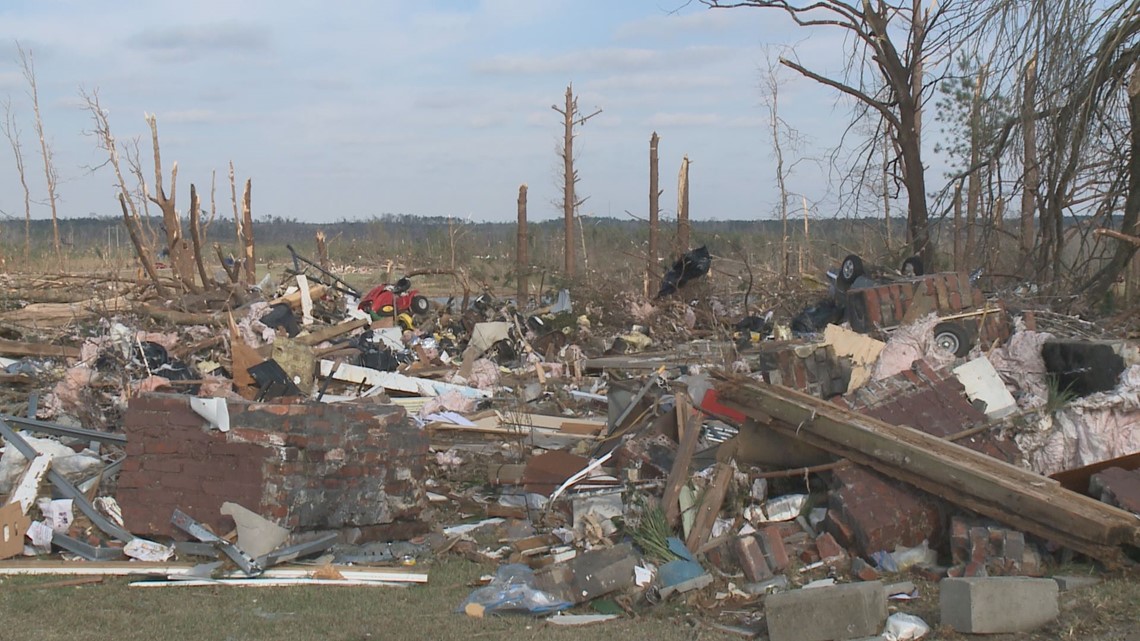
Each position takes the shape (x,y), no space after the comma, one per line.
(887,305)
(980,549)
(931,400)
(869,513)
(813,369)
(306,466)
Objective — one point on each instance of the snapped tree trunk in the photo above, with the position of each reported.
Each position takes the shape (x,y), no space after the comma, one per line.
(250,257)
(571,117)
(522,261)
(196,235)
(654,213)
(1029,144)
(181,256)
(683,228)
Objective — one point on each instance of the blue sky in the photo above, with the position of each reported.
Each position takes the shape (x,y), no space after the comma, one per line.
(350,109)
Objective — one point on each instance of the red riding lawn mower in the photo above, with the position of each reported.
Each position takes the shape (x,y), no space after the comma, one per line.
(395,300)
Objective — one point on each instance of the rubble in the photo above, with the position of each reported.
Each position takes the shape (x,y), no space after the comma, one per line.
(586,455)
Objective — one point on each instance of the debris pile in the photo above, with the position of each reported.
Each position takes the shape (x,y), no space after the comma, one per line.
(782,476)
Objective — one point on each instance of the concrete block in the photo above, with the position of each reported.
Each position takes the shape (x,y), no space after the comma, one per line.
(997,604)
(835,613)
(1066,583)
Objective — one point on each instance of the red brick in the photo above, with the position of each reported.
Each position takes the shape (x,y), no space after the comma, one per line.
(161,464)
(751,559)
(772,544)
(161,447)
(829,551)
(975,569)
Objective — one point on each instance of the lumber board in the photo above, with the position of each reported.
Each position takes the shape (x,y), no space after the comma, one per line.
(709,507)
(690,430)
(133,568)
(1010,494)
(19,348)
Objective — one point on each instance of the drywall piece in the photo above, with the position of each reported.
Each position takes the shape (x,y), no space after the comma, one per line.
(306,300)
(983,383)
(29,485)
(257,535)
(860,348)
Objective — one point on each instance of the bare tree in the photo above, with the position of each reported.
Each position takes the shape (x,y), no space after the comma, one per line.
(50,176)
(131,217)
(886,77)
(12,132)
(571,118)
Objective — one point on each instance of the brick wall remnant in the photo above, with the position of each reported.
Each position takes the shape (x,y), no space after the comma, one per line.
(305,466)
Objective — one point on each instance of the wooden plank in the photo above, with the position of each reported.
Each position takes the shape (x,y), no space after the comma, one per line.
(679,473)
(265,583)
(326,333)
(709,507)
(19,348)
(978,482)
(133,568)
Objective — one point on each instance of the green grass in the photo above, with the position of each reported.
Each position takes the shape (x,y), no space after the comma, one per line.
(112,610)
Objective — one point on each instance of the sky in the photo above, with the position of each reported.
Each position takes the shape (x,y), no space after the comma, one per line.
(349,109)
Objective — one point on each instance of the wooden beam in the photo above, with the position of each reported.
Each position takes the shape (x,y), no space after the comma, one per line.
(709,508)
(689,428)
(17,348)
(1012,495)
(326,333)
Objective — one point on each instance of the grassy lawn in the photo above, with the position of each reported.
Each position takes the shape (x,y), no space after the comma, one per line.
(112,610)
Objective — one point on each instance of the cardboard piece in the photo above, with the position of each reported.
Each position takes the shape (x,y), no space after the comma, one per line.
(13,526)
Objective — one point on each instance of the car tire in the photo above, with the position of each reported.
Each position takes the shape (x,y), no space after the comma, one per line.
(420,305)
(915,265)
(953,338)
(849,270)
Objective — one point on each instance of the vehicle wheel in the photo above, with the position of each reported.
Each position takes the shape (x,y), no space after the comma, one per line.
(420,305)
(913,266)
(952,338)
(850,269)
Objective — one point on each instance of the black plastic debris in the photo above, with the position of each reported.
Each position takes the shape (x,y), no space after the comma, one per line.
(689,267)
(272,381)
(1081,367)
(815,318)
(281,316)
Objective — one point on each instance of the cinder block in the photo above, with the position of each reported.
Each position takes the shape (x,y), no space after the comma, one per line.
(997,604)
(834,613)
